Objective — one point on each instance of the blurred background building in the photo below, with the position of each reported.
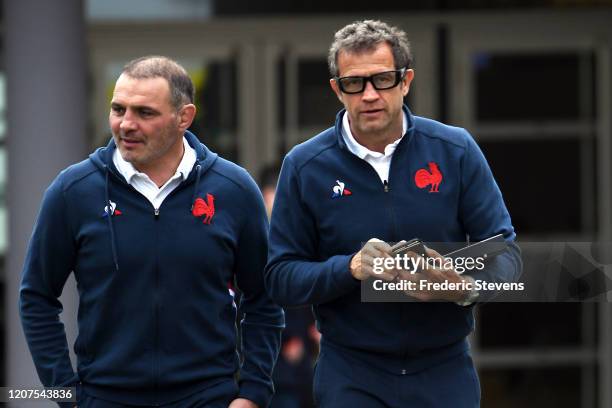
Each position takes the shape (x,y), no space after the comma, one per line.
(531,80)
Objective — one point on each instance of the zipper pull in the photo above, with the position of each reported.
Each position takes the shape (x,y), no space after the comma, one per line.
(385,186)
(156,213)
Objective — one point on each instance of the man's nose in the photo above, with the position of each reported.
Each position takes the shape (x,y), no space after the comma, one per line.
(370,93)
(127,121)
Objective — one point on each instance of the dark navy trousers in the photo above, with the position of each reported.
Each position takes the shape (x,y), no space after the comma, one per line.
(341,381)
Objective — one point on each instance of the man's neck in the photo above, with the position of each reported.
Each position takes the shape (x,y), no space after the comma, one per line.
(162,171)
(377,141)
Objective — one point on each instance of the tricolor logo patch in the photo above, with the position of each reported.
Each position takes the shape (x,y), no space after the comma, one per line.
(111,209)
(340,190)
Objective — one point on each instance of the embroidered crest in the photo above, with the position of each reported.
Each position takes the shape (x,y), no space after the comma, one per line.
(340,190)
(204,208)
(433,178)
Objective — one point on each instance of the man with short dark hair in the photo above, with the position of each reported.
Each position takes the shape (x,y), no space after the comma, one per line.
(383,175)
(155,227)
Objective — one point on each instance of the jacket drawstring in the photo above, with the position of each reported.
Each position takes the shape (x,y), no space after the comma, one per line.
(195,188)
(109,216)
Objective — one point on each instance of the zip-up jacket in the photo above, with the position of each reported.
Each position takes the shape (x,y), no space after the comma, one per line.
(156,318)
(329,202)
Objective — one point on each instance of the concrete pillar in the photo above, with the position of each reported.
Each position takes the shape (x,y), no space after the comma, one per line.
(45,59)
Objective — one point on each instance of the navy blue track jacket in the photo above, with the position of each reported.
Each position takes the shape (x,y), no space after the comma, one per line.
(329,202)
(156,319)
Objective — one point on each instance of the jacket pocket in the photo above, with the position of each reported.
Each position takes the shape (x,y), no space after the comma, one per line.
(81,343)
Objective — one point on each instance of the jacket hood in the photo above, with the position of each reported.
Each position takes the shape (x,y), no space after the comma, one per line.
(102,157)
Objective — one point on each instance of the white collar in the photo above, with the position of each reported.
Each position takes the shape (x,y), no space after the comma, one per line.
(360,150)
(127,170)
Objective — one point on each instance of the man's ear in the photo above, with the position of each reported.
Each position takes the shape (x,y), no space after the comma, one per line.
(334,86)
(408,77)
(186,115)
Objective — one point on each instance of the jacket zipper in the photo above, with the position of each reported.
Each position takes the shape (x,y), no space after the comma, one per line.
(156,351)
(394,233)
(396,237)
(386,189)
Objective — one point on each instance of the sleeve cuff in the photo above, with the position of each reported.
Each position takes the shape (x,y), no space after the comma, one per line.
(77,391)
(471,296)
(258,393)
(342,273)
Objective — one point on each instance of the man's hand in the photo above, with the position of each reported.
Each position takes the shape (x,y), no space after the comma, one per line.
(362,264)
(435,275)
(242,403)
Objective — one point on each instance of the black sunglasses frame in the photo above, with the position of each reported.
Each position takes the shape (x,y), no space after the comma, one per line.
(399,76)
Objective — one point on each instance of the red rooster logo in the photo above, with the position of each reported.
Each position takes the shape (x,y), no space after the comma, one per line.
(205,208)
(423,178)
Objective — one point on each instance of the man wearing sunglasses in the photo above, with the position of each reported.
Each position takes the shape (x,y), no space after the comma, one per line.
(380,175)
